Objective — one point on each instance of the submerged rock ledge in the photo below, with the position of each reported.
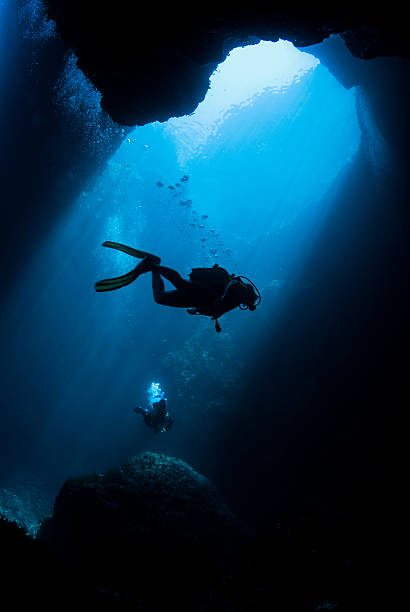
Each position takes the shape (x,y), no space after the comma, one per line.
(151,520)
(155,534)
(150,493)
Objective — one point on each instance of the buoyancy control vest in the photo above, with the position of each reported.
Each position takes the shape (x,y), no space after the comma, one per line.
(217,280)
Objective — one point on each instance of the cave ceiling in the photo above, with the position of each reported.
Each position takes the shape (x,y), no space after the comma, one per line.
(151,62)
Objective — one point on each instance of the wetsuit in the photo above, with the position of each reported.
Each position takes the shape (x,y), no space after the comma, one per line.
(191,295)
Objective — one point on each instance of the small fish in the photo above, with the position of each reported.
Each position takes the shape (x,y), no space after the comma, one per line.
(171,187)
(204,216)
(159,184)
(184,178)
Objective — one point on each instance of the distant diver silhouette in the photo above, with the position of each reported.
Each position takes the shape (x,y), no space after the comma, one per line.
(156,416)
(210,291)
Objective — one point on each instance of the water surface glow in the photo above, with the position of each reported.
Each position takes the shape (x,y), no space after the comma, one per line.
(247,72)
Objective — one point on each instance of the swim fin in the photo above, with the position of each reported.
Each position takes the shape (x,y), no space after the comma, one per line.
(131,251)
(110,284)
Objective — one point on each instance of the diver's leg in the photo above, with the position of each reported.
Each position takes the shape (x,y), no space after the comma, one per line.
(177,297)
(172,276)
(158,287)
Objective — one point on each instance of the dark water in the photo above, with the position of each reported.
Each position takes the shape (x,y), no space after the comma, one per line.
(249,184)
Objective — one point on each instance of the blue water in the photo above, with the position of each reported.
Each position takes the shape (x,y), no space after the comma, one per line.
(248,184)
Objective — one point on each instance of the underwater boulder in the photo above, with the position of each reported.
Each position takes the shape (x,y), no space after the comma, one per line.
(152,518)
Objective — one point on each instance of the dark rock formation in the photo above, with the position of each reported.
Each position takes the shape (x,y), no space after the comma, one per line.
(46,153)
(151,64)
(32,576)
(148,522)
(384,86)
(301,563)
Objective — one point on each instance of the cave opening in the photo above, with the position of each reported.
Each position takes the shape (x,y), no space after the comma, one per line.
(245,181)
(244,154)
(301,184)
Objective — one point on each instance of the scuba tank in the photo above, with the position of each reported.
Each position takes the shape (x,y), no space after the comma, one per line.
(215,278)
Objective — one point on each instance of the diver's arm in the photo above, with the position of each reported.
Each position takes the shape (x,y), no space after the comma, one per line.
(229,300)
(219,308)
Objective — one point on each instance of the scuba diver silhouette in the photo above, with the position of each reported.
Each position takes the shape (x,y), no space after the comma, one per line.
(209,291)
(156,416)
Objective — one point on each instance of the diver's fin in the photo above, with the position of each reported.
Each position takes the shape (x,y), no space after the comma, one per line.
(110,284)
(131,251)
